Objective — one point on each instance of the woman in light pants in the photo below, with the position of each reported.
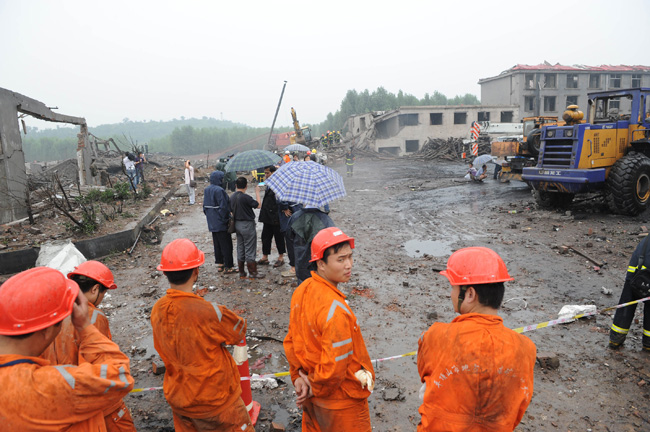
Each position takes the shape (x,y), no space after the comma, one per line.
(189,176)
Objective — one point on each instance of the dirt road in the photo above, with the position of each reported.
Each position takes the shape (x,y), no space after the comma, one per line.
(407,217)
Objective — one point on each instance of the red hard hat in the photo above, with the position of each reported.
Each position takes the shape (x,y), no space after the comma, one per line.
(35,299)
(96,271)
(181,254)
(476,265)
(326,238)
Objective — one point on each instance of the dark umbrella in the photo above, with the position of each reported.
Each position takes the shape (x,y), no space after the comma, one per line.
(252,159)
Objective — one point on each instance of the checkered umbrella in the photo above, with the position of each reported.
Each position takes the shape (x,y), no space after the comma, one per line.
(307,183)
(297,147)
(252,160)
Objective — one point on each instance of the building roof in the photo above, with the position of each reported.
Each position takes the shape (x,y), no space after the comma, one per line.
(546,66)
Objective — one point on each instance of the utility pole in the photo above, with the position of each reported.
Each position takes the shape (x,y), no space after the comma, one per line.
(277,110)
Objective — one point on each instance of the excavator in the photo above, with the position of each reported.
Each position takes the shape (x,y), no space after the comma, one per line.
(303,134)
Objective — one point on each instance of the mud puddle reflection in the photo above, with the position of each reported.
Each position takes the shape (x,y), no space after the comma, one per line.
(418,248)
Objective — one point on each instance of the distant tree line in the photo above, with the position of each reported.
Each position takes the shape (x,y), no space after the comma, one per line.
(355,103)
(195,136)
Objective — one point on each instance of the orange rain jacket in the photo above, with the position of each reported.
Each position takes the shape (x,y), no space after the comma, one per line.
(65,350)
(325,341)
(478,375)
(39,397)
(189,333)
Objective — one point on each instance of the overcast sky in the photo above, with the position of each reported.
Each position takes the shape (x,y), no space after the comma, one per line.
(159,60)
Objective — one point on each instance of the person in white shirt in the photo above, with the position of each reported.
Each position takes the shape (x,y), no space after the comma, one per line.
(129,166)
(189,180)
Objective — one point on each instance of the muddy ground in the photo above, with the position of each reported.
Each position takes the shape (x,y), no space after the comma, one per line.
(407,217)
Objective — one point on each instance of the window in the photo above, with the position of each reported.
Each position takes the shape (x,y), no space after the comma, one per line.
(460,118)
(506,116)
(572,81)
(615,81)
(594,81)
(571,100)
(636,80)
(614,103)
(412,146)
(362,120)
(483,116)
(529,103)
(435,118)
(408,120)
(550,80)
(549,103)
(529,80)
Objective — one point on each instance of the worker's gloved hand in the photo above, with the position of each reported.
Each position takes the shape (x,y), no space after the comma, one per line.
(240,354)
(365,378)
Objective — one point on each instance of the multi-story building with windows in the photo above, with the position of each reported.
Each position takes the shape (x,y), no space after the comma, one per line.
(547,89)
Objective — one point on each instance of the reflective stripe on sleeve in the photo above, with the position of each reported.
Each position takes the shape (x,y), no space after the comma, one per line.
(346,355)
(617,329)
(66,375)
(344,342)
(123,377)
(646,333)
(243,322)
(217,310)
(102,374)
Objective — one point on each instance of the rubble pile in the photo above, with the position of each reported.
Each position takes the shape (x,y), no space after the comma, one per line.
(449,149)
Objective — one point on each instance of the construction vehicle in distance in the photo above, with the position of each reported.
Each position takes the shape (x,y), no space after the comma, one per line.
(610,152)
(520,151)
(302,134)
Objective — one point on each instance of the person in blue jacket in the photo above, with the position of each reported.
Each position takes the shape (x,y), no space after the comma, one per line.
(285,210)
(216,207)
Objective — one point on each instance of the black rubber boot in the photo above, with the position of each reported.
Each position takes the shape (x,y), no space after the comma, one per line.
(252,271)
(616,339)
(242,269)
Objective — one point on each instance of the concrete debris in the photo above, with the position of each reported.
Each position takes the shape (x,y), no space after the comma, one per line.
(158,367)
(258,383)
(392,394)
(277,427)
(62,256)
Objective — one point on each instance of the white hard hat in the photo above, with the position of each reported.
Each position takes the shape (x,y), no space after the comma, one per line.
(286,152)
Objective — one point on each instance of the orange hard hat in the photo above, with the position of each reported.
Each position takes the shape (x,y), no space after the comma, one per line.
(95,271)
(326,238)
(35,299)
(181,254)
(475,265)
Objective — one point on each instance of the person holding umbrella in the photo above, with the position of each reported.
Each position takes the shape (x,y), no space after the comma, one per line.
(270,217)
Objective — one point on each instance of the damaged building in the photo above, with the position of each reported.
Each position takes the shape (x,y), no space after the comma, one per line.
(403,131)
(547,89)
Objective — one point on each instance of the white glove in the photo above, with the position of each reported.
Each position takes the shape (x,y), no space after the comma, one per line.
(365,378)
(240,354)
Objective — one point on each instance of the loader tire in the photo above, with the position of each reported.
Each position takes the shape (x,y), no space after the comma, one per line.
(550,200)
(628,184)
(533,141)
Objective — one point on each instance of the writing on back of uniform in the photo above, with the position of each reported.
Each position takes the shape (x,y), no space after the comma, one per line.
(640,283)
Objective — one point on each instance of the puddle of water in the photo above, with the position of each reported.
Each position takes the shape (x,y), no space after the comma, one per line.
(417,248)
(280,415)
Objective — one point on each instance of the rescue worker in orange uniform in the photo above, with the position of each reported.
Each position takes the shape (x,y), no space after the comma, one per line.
(477,374)
(286,158)
(36,396)
(329,363)
(202,383)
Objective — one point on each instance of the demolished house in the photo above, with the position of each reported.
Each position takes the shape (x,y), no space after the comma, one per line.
(404,131)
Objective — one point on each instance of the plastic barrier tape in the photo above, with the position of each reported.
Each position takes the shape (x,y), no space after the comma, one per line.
(412,353)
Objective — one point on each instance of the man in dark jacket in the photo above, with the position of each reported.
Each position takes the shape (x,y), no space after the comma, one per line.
(241,206)
(216,207)
(270,217)
(285,210)
(229,178)
(303,227)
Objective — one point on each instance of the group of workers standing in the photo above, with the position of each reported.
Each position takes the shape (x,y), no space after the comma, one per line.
(475,372)
(332,137)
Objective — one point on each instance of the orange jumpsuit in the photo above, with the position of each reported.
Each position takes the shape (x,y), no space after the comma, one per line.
(325,341)
(39,397)
(478,375)
(202,383)
(65,350)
